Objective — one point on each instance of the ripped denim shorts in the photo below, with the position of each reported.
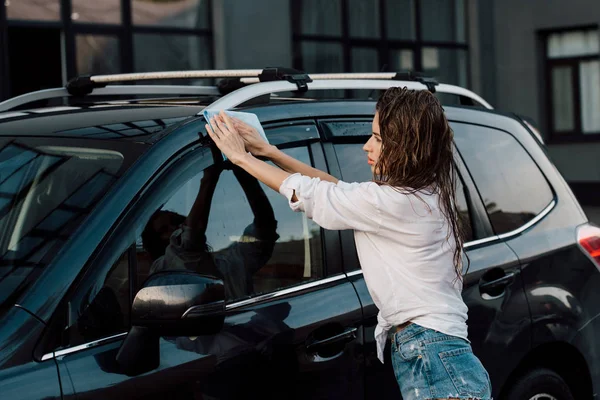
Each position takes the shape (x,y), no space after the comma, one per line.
(432,365)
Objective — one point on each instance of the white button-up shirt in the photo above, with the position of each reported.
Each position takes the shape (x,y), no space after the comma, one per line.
(403,247)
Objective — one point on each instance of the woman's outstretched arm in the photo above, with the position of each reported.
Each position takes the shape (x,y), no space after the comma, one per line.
(325,202)
(230,142)
(255,144)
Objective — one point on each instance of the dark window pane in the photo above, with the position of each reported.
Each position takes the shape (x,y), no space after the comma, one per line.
(511,185)
(39,10)
(293,133)
(400,19)
(105,11)
(90,190)
(443,20)
(321,58)
(319,17)
(365,60)
(562,99)
(364,19)
(106,311)
(174,13)
(348,128)
(245,231)
(97,54)
(13,158)
(463,211)
(353,163)
(448,65)
(161,52)
(35,212)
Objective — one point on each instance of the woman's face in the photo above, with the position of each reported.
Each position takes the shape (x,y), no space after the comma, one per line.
(373,145)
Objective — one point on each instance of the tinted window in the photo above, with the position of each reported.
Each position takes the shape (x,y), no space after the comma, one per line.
(511,185)
(349,128)
(45,192)
(107,312)
(236,228)
(353,163)
(463,211)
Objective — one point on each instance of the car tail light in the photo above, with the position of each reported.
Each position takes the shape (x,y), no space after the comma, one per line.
(588,237)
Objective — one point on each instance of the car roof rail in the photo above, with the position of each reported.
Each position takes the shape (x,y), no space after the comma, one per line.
(250,92)
(232,81)
(116,90)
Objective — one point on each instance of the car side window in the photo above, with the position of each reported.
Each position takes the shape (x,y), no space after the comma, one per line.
(511,185)
(107,312)
(463,211)
(224,222)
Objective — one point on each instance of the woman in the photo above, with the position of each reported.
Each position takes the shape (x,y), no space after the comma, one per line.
(407,234)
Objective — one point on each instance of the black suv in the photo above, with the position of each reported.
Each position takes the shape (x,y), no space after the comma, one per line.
(91,189)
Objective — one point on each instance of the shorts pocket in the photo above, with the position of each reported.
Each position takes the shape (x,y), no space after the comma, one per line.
(466,372)
(408,349)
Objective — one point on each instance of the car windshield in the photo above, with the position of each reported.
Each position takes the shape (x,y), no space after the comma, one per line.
(46,190)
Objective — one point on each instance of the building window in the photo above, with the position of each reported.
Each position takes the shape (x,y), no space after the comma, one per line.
(573,76)
(375,35)
(106,37)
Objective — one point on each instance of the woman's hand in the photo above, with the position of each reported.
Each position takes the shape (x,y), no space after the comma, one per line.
(254,143)
(226,137)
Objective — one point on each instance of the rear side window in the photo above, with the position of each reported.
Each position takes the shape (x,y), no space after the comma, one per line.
(511,185)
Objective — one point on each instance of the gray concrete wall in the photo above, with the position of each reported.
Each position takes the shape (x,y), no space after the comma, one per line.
(518,57)
(252,34)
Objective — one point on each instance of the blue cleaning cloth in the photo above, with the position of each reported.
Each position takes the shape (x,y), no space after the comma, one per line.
(249,118)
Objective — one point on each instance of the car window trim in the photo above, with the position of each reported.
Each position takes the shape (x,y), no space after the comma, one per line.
(232,306)
(298,288)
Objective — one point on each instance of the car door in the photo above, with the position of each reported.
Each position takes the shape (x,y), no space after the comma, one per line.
(291,331)
(497,308)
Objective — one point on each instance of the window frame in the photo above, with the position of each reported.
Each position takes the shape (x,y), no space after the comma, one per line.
(576,134)
(123,31)
(384,45)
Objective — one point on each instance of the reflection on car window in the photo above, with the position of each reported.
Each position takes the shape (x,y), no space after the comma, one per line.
(107,313)
(511,185)
(45,192)
(227,224)
(463,211)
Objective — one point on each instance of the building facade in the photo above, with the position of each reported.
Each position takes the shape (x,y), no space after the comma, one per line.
(539,58)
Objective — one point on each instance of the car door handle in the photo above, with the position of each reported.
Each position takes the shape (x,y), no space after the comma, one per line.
(495,289)
(347,335)
(497,283)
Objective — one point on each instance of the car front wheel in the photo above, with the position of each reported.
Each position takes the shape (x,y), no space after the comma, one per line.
(540,384)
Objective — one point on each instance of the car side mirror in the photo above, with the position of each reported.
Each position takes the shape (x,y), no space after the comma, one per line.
(171,303)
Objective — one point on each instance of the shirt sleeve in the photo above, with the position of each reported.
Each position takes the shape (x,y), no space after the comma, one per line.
(335,206)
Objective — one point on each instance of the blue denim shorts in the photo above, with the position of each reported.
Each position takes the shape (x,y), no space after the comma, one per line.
(432,365)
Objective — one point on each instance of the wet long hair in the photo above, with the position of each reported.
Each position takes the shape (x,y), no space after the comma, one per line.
(417,154)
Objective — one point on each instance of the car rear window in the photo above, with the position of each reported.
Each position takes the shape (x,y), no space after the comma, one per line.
(46,190)
(511,185)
